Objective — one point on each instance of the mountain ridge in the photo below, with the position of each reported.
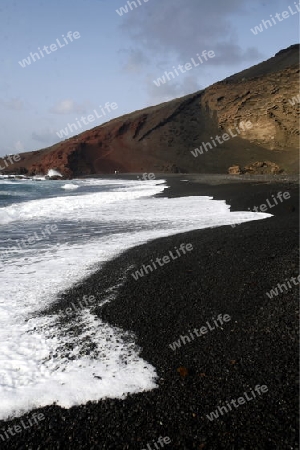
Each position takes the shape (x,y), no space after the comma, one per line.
(162,138)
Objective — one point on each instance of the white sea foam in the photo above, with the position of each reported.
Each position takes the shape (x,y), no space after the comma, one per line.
(40,363)
(70,186)
(54,173)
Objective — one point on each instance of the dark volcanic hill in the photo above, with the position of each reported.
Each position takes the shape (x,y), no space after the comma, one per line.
(161,138)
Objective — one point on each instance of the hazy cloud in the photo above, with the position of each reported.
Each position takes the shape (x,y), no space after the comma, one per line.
(188,85)
(46,136)
(68,106)
(135,60)
(19,146)
(14,104)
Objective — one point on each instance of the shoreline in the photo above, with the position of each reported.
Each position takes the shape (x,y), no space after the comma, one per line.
(228,272)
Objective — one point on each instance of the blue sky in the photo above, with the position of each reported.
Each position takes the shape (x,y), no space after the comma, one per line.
(116,58)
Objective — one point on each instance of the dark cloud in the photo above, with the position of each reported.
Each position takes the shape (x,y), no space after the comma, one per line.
(184,27)
(171,32)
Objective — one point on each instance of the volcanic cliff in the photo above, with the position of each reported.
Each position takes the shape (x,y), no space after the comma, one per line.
(161,138)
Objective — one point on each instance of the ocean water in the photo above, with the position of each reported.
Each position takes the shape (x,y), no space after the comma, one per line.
(52,235)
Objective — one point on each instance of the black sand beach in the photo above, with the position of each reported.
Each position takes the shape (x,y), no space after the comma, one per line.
(228,272)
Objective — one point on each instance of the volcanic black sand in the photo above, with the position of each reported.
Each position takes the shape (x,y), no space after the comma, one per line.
(229,272)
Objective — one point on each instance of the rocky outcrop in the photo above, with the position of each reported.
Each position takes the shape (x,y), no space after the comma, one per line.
(235,170)
(262,101)
(257,168)
(262,168)
(162,138)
